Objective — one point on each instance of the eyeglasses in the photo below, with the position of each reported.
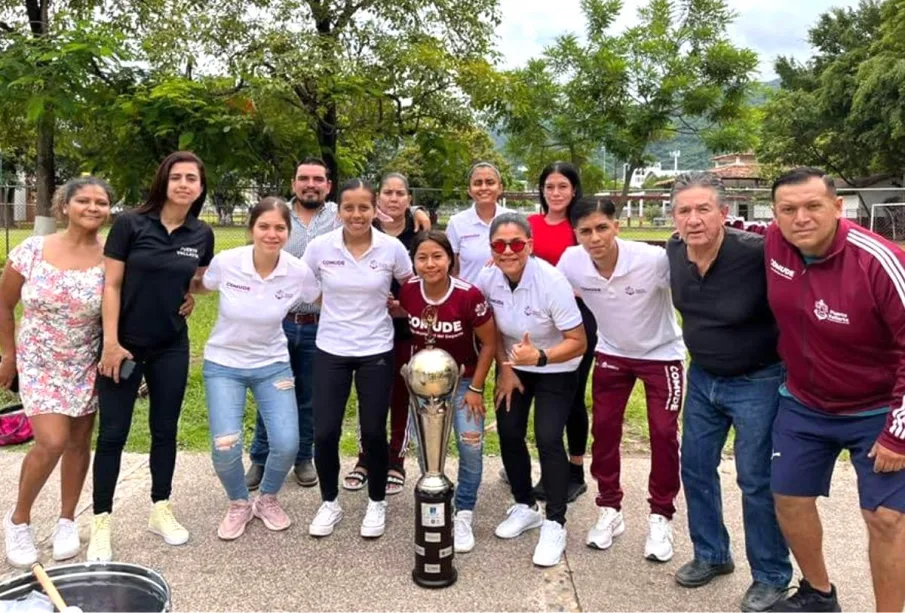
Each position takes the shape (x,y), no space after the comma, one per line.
(517,245)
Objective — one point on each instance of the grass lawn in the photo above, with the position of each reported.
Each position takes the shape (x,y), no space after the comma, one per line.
(193,430)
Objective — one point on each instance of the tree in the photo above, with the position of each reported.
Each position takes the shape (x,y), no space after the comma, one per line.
(842,109)
(650,82)
(360,71)
(50,72)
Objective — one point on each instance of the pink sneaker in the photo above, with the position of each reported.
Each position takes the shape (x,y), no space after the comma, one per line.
(271,513)
(237,517)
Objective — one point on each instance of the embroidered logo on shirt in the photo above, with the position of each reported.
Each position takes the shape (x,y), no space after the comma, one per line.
(444,327)
(529,312)
(607,365)
(481,309)
(373,264)
(631,291)
(590,289)
(282,295)
(495,301)
(825,313)
(333,262)
(782,271)
(235,286)
(466,236)
(189,252)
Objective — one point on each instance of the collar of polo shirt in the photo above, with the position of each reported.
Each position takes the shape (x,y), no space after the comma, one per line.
(248,264)
(339,243)
(528,275)
(476,219)
(191,222)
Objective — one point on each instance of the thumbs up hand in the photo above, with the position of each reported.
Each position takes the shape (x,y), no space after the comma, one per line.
(523,353)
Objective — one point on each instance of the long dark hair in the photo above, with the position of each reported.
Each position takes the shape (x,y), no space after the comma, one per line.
(158,194)
(570,173)
(438,237)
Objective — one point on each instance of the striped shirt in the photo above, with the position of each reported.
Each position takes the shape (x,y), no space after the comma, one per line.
(324,221)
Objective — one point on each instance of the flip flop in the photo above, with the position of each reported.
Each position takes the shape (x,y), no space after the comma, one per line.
(355,480)
(395,484)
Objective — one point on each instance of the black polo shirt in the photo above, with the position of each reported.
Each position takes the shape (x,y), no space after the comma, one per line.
(726,321)
(159,269)
(401,330)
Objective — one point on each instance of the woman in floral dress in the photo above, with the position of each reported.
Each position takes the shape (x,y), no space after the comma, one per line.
(60,280)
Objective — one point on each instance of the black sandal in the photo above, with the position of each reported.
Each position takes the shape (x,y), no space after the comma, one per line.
(395,483)
(356,479)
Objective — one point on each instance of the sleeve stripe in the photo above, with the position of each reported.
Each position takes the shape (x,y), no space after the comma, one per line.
(887,260)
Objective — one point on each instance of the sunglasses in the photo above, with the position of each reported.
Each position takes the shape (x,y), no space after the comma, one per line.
(517,245)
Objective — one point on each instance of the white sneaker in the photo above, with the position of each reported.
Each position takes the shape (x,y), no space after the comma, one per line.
(609,525)
(463,537)
(328,515)
(521,518)
(551,544)
(20,543)
(659,539)
(66,543)
(100,548)
(163,523)
(375,521)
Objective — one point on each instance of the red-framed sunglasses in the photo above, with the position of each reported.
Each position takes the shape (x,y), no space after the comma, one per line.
(517,245)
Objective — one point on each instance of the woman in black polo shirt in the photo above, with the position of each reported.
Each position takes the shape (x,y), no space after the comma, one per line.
(152,254)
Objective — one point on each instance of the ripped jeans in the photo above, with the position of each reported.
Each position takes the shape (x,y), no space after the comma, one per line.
(470,444)
(273,388)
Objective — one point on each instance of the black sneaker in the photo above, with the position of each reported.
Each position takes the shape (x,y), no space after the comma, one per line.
(809,599)
(305,474)
(576,489)
(253,477)
(698,573)
(761,596)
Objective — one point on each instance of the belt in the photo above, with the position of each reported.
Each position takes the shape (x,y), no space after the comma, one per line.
(303,318)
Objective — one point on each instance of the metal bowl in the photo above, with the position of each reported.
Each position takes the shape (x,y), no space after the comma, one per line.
(99,586)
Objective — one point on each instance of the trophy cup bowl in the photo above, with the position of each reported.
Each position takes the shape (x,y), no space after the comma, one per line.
(432,377)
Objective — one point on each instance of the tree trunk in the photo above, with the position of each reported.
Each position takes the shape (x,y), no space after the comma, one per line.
(44,173)
(326,138)
(626,185)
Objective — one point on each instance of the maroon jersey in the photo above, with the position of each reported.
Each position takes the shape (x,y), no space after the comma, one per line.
(454,319)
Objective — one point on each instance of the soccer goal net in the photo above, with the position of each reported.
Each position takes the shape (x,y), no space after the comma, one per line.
(888,220)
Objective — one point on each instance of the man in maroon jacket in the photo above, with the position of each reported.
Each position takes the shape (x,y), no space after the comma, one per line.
(838,294)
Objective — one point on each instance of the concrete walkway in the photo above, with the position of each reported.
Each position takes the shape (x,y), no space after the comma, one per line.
(291,571)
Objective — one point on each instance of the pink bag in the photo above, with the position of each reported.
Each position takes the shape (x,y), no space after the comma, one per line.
(15,428)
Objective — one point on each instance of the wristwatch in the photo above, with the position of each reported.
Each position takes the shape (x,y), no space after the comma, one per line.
(542,358)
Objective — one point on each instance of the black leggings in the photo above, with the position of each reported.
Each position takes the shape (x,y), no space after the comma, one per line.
(577,426)
(373,384)
(165,368)
(551,393)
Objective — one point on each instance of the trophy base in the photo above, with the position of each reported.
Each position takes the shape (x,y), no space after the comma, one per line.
(434,546)
(434,584)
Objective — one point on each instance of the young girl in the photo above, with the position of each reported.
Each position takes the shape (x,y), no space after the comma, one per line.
(355,265)
(59,280)
(247,349)
(448,313)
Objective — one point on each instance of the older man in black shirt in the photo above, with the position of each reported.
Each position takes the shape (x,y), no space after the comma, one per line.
(719,286)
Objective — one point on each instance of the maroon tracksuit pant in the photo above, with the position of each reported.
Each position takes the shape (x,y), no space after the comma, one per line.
(614,379)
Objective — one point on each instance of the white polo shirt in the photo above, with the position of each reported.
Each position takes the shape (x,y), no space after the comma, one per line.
(355,320)
(633,308)
(249,328)
(543,305)
(470,239)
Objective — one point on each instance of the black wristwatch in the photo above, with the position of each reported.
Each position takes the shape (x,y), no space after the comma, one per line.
(542,358)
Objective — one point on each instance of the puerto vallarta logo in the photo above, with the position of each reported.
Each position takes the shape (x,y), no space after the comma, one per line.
(481,309)
(825,313)
(631,291)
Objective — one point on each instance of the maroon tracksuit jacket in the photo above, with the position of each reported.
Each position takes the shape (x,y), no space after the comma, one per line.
(842,324)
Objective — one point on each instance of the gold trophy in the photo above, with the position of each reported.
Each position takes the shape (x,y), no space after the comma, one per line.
(432,377)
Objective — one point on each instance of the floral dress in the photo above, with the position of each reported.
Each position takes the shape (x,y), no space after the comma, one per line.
(59,334)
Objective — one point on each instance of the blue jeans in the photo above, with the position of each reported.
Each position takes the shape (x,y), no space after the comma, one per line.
(272,388)
(471,454)
(301,359)
(747,403)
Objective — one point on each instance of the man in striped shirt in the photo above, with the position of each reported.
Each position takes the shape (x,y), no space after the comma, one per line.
(838,294)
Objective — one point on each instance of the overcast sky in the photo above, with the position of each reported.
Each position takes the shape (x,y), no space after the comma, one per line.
(769,27)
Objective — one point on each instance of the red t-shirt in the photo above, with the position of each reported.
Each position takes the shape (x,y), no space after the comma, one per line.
(457,315)
(551,241)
